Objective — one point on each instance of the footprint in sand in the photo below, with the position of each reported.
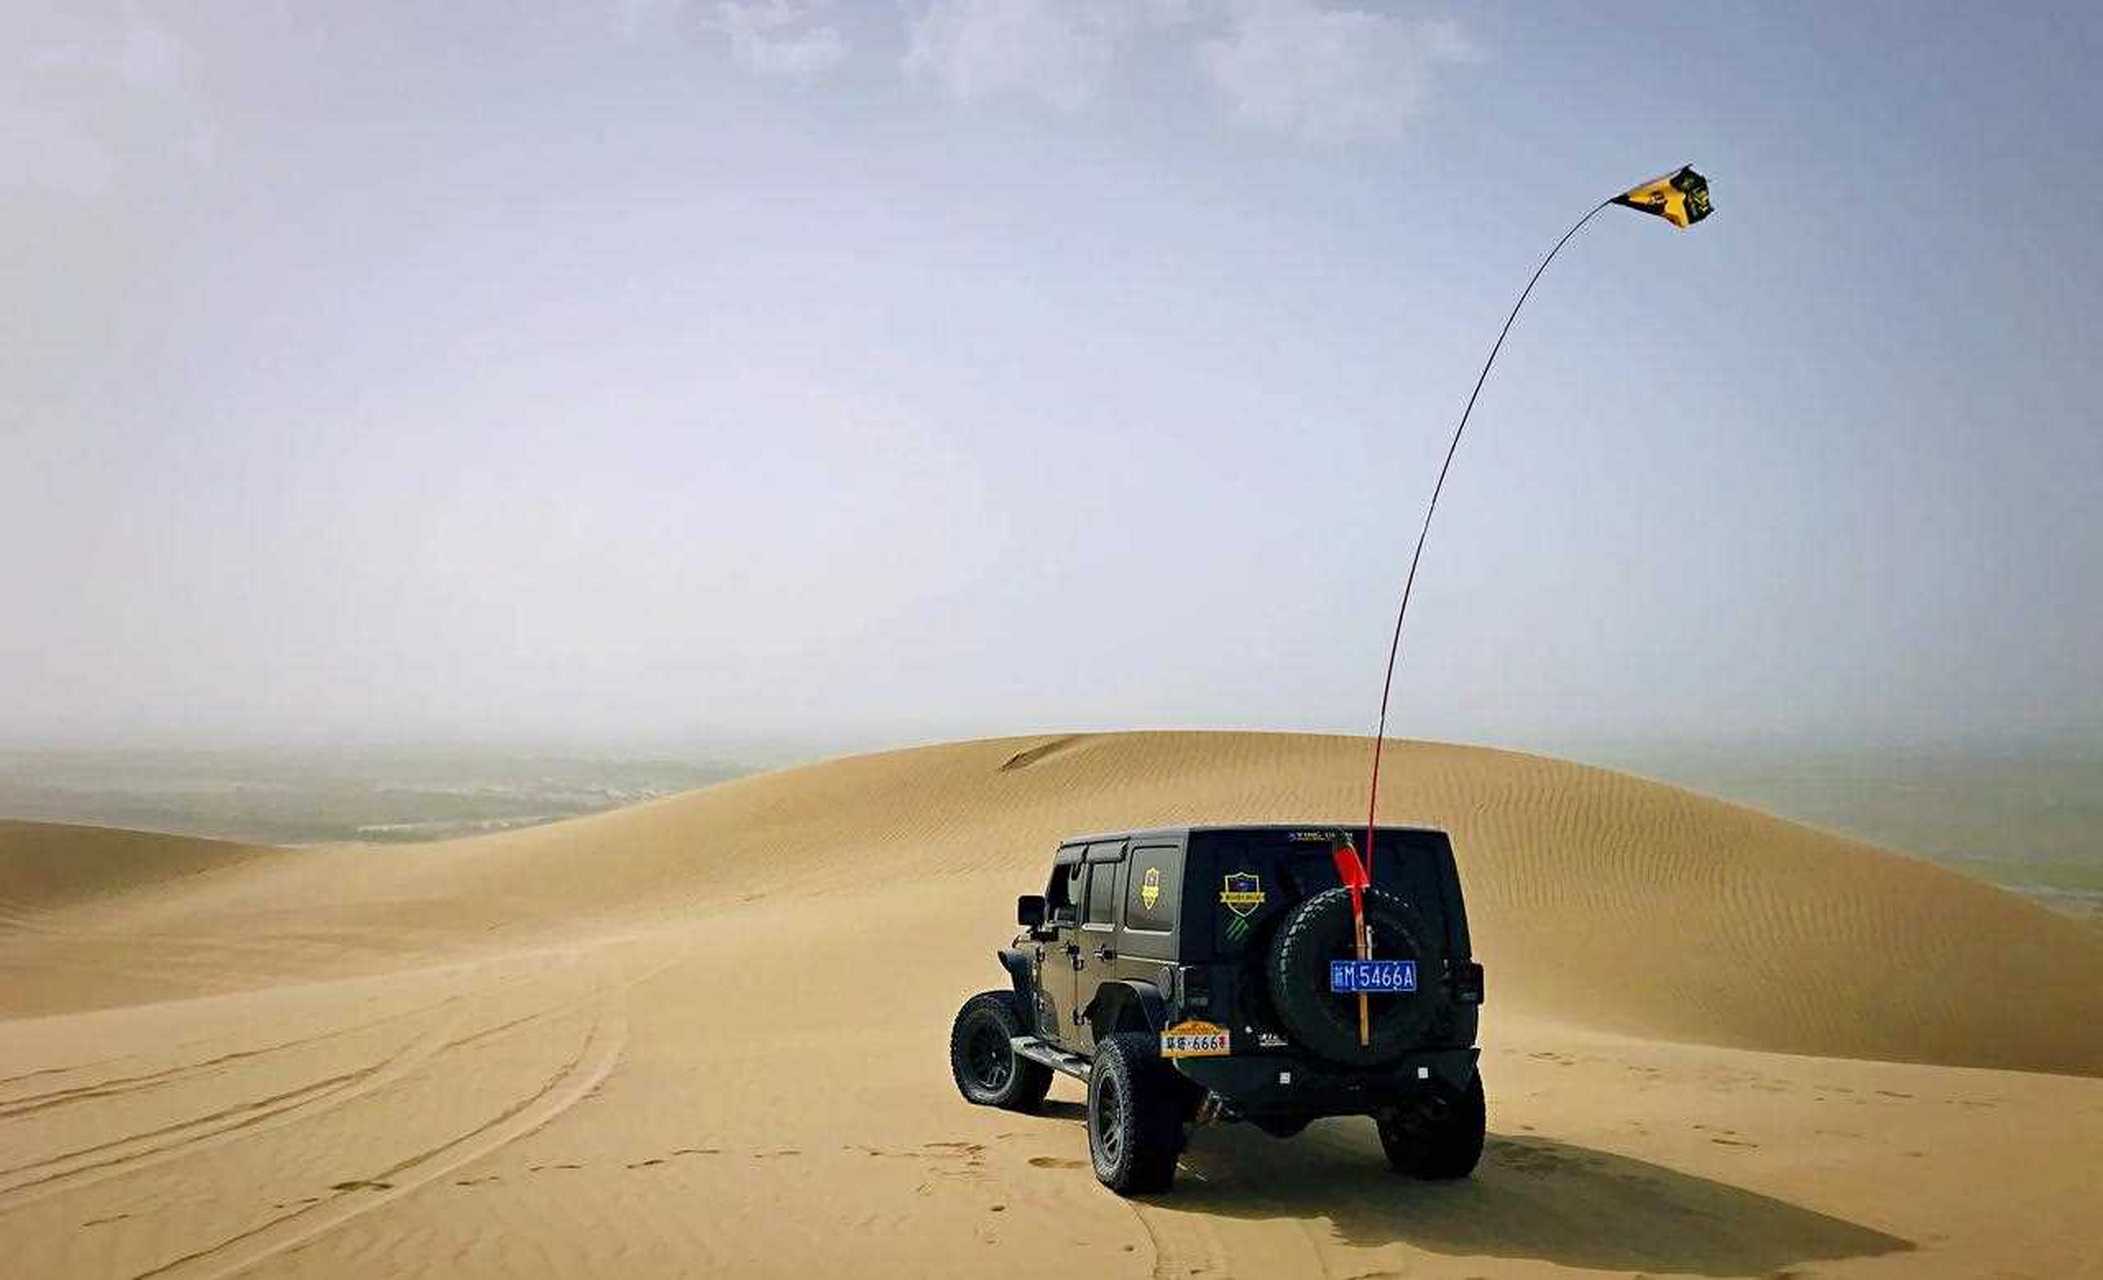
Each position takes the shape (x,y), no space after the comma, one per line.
(1532,1161)
(1055,1162)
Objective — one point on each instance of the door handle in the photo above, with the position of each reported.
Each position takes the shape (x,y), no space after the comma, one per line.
(1105,953)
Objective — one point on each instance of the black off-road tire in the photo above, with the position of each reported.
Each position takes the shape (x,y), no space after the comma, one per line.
(1442,1142)
(1135,1115)
(1320,930)
(987,1069)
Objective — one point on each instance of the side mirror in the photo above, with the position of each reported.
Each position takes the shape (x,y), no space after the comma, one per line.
(1029,911)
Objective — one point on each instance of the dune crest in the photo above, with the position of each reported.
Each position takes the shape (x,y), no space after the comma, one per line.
(46,866)
(1598,898)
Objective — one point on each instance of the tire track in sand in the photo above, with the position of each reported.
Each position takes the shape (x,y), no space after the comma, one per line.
(595,1059)
(72,1170)
(1184,1244)
(117,1086)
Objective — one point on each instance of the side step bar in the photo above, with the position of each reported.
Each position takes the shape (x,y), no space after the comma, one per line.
(1072,1064)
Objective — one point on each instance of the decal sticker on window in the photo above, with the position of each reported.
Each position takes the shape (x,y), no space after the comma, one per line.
(1242,893)
(1150,888)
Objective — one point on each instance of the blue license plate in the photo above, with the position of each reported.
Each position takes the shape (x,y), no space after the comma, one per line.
(1372,976)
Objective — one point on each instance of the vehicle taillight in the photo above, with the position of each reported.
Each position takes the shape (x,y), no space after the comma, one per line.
(1467,983)
(1194,985)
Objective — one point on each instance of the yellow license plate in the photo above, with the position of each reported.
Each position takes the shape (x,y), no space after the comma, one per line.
(1195,1040)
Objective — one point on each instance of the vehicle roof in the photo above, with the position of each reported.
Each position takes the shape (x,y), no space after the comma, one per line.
(1147,832)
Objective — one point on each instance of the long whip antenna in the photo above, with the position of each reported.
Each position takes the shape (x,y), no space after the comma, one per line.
(1394,645)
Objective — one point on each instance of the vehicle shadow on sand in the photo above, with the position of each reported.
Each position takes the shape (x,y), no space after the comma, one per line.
(1530,1198)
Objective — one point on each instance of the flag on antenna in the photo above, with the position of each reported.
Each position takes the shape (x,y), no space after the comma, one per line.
(1351,872)
(1680,198)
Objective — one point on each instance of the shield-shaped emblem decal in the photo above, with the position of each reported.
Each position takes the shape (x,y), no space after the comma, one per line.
(1150,888)
(1242,892)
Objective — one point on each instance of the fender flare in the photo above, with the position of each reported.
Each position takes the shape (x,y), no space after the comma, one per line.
(1115,1001)
(1018,966)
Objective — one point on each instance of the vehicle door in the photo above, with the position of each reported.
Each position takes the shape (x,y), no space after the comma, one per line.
(1096,961)
(1058,958)
(1153,897)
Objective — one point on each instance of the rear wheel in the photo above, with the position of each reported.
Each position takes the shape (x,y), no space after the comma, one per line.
(982,1056)
(1135,1115)
(1441,1140)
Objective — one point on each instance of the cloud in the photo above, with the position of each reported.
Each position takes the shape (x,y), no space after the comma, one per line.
(139,54)
(1060,51)
(780,37)
(48,152)
(1327,75)
(635,17)
(1296,67)
(89,99)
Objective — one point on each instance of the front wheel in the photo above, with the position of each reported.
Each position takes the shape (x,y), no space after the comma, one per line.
(1442,1140)
(982,1056)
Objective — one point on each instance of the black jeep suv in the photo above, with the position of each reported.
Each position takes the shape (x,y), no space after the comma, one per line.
(1200,974)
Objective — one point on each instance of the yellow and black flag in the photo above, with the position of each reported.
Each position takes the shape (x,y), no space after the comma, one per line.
(1680,198)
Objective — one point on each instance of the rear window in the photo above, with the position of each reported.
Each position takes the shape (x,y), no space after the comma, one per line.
(1256,875)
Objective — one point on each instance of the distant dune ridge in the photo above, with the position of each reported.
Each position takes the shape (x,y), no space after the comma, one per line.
(1597,897)
(1608,910)
(47,866)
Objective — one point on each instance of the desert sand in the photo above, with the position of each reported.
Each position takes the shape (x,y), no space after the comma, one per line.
(706,1036)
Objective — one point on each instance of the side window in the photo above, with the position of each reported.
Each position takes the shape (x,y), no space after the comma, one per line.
(1072,889)
(1102,894)
(1059,891)
(1152,891)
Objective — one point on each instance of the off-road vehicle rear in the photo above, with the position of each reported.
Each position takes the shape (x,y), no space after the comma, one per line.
(1200,974)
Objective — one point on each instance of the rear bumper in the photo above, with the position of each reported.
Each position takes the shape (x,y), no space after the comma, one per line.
(1291,1085)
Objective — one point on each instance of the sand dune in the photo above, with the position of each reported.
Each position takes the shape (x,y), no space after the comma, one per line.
(48,866)
(686,1038)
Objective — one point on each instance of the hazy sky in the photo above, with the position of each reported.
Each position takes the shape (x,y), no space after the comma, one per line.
(664,371)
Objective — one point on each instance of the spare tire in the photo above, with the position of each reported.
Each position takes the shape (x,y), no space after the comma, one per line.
(1320,930)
